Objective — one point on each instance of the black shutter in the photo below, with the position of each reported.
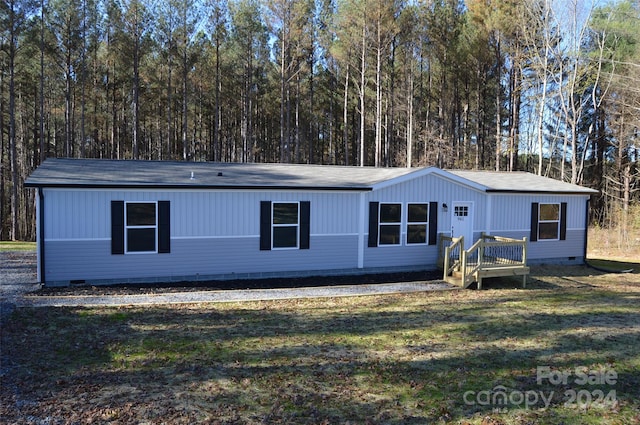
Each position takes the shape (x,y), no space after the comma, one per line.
(117,227)
(534,222)
(265,225)
(563,221)
(433,223)
(164,227)
(373,224)
(305,224)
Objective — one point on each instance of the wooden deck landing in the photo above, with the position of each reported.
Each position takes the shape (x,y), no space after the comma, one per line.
(490,256)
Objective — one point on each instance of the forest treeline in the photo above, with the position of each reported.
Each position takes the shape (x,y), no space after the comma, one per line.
(544,86)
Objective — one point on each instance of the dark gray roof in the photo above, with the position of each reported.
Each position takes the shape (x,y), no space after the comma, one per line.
(519,181)
(67,172)
(169,174)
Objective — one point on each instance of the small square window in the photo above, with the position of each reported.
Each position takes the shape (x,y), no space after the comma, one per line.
(141,240)
(141,214)
(390,213)
(461,211)
(285,213)
(549,212)
(390,234)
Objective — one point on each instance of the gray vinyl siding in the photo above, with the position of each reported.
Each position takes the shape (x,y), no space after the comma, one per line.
(417,256)
(189,259)
(213,233)
(433,188)
(552,251)
(428,188)
(85,214)
(513,211)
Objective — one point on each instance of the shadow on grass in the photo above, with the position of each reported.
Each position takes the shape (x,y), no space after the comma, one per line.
(392,360)
(550,276)
(612,266)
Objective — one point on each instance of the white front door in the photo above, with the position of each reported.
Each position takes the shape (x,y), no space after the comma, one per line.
(462,222)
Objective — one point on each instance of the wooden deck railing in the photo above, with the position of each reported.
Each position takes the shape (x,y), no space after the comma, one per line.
(450,251)
(489,256)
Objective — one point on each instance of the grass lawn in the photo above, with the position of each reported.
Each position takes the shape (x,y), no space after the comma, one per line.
(17,246)
(564,350)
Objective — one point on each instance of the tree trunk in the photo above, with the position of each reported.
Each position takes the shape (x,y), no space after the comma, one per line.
(3,169)
(216,125)
(378,142)
(498,106)
(284,106)
(136,83)
(410,118)
(345,117)
(363,81)
(186,152)
(13,151)
(83,75)
(41,82)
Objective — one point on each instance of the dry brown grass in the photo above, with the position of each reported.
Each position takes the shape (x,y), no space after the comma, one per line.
(617,242)
(395,359)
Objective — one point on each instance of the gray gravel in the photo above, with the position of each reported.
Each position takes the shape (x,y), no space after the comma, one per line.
(17,278)
(232,295)
(18,271)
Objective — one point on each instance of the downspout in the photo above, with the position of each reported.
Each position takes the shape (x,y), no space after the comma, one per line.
(586,230)
(40,237)
(362,219)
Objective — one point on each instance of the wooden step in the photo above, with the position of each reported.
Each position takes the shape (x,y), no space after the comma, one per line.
(454,280)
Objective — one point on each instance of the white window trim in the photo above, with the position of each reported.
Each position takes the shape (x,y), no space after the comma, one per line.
(540,221)
(400,223)
(408,223)
(274,225)
(127,227)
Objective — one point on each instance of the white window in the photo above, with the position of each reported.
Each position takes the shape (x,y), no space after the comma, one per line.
(141,227)
(417,223)
(390,222)
(549,221)
(285,225)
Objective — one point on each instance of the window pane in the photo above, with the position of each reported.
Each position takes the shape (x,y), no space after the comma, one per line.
(548,231)
(461,211)
(418,213)
(389,234)
(417,233)
(141,240)
(549,212)
(285,237)
(285,213)
(390,213)
(141,214)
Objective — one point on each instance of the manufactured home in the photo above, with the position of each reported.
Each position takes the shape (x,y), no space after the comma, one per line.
(126,221)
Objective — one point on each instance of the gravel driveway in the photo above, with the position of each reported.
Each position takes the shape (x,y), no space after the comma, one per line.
(18,274)
(17,277)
